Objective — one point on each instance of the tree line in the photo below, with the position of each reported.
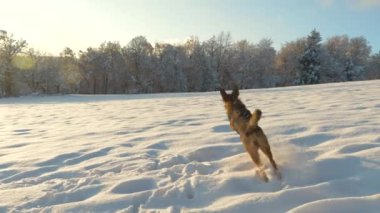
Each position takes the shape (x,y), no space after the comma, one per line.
(140,67)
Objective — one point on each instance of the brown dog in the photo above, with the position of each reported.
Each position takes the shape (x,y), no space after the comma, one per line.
(246,125)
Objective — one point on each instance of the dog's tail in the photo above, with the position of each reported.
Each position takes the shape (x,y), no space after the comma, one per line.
(254,120)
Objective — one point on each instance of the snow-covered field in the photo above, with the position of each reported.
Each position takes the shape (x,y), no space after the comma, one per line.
(176,152)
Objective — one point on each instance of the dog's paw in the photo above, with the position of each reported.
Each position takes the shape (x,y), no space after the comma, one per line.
(278,175)
(263,176)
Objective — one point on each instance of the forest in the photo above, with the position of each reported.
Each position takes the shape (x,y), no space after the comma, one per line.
(192,66)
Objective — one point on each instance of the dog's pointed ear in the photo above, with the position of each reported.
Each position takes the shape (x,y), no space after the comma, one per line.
(223,93)
(235,92)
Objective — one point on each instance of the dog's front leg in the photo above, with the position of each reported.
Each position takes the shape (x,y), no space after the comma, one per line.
(232,126)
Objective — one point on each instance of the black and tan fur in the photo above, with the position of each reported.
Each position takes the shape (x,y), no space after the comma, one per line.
(246,125)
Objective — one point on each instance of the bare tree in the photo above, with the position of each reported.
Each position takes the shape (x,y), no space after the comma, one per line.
(287,61)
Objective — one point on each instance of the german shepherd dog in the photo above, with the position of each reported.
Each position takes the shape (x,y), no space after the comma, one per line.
(246,125)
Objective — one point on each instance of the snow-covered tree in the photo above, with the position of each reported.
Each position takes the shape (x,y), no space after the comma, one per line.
(170,68)
(374,67)
(349,69)
(253,64)
(334,58)
(243,63)
(114,67)
(264,58)
(219,57)
(30,74)
(196,67)
(9,48)
(69,70)
(357,58)
(138,55)
(210,74)
(310,61)
(50,81)
(138,67)
(90,62)
(347,57)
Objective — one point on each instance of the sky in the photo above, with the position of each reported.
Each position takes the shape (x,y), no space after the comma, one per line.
(51,25)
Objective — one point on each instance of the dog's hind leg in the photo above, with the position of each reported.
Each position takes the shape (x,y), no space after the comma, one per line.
(252,150)
(265,148)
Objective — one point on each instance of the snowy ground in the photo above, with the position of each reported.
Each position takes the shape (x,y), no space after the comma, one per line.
(176,153)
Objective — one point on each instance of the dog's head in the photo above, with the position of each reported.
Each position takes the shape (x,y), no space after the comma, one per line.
(233,104)
(230,98)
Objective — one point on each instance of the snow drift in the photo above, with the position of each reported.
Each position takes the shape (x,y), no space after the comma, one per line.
(176,153)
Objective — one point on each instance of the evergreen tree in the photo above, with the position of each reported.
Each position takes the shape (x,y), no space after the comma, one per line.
(349,69)
(374,67)
(310,61)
